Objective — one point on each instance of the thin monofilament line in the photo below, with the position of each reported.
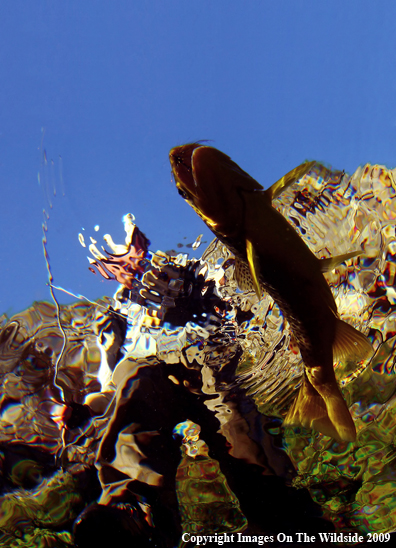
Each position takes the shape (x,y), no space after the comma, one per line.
(50,284)
(83,298)
(42,178)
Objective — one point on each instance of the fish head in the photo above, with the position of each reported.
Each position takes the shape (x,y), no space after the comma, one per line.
(213,185)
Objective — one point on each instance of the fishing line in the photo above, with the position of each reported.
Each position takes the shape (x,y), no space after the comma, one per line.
(44,226)
(58,310)
(83,298)
(45,185)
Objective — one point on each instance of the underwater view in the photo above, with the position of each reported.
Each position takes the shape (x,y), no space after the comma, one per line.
(245,395)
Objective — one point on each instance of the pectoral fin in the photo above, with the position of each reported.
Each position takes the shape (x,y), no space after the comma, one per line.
(242,276)
(327,265)
(294,175)
(254,267)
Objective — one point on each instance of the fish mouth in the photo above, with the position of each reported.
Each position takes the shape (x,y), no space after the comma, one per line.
(181,160)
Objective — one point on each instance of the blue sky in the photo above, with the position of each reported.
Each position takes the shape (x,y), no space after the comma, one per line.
(110,87)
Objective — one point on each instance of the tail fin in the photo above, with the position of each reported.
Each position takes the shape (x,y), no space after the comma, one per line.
(327,413)
(320,405)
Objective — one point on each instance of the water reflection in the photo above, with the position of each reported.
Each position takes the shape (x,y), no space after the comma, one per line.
(174,391)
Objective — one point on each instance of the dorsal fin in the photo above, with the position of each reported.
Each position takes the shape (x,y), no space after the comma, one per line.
(327,265)
(294,175)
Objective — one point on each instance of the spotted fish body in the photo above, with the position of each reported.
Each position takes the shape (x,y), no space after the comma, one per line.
(239,212)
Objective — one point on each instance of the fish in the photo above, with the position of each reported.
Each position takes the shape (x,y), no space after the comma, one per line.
(271,257)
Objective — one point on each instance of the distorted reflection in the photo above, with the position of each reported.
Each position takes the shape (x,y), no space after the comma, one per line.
(163,412)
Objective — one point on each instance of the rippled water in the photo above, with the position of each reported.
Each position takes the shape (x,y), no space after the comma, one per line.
(176,394)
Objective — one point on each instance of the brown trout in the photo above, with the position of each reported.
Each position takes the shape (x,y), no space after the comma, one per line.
(271,256)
